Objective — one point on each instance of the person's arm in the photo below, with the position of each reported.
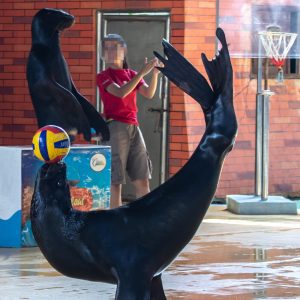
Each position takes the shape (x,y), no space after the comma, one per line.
(148,91)
(124,90)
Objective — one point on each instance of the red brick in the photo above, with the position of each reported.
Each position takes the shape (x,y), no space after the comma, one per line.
(13,12)
(174,146)
(22,5)
(6,6)
(23,121)
(6,90)
(81,54)
(13,113)
(173,170)
(175,162)
(113,4)
(137,4)
(161,4)
(22,20)
(95,4)
(86,20)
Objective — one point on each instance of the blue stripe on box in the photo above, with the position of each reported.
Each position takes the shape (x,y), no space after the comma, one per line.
(10,231)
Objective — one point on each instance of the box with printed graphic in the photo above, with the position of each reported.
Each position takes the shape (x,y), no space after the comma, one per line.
(88,175)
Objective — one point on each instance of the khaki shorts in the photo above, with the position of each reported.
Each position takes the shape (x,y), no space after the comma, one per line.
(128,153)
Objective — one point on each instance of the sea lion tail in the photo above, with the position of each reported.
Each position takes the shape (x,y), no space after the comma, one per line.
(219,69)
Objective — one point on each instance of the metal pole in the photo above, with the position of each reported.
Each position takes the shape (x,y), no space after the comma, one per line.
(258,135)
(262,127)
(265,145)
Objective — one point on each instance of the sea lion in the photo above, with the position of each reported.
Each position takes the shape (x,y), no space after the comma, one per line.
(55,98)
(133,244)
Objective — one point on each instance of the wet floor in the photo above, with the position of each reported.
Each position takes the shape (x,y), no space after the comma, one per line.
(231,257)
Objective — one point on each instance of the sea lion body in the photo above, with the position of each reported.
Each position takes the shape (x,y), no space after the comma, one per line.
(54,96)
(133,244)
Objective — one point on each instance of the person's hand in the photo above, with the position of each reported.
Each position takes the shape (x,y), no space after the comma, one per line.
(157,64)
(148,66)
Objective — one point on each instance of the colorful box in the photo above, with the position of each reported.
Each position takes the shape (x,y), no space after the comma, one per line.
(88,173)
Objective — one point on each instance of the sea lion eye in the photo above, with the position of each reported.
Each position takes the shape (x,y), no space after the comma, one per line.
(60,183)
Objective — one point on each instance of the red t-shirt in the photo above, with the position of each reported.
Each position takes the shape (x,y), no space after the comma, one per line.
(120,109)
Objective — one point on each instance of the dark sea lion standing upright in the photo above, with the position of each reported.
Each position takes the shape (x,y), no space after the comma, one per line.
(54,96)
(133,244)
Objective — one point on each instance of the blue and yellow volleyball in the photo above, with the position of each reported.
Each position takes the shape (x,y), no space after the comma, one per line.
(51,144)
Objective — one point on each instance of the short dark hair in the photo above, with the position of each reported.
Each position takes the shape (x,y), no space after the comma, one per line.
(114,37)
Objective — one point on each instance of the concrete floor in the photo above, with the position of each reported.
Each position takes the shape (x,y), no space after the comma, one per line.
(231,257)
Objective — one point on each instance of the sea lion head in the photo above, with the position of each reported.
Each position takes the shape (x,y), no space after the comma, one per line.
(48,21)
(52,185)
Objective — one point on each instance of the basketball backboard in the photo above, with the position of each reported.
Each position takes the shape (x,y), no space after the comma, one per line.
(242,20)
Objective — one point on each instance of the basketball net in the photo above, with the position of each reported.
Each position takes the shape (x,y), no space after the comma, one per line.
(277,45)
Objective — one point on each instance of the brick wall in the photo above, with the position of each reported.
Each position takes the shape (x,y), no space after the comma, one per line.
(197,32)
(192,32)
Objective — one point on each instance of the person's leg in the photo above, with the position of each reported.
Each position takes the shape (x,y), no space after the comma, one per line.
(141,187)
(115,195)
(139,165)
(119,142)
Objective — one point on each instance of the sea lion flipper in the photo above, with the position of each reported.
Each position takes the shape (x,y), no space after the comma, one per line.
(60,107)
(219,69)
(94,118)
(183,74)
(74,111)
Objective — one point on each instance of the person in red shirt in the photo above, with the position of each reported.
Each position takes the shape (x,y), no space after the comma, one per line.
(118,86)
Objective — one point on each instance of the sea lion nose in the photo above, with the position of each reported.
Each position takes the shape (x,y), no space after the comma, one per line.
(44,169)
(68,16)
(57,167)
(49,171)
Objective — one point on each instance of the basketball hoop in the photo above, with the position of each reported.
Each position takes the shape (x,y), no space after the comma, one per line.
(277,45)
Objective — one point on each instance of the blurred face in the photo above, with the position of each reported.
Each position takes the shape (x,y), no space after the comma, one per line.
(113,52)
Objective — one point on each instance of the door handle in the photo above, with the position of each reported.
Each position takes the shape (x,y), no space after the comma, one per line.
(159,110)
(159,119)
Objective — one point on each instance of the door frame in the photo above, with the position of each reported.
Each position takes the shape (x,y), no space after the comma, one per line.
(102,18)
